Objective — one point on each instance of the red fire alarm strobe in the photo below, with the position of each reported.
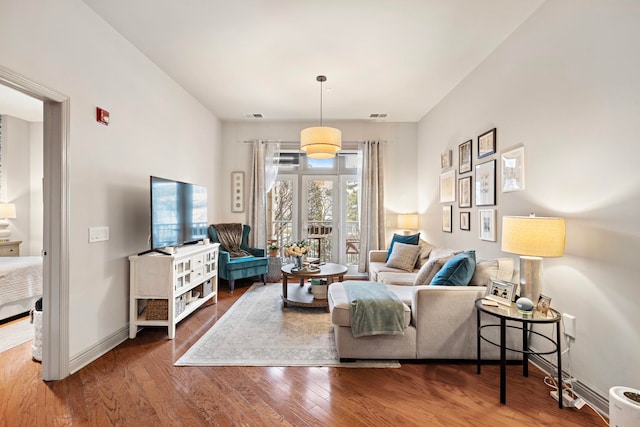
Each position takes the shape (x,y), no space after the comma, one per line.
(102,116)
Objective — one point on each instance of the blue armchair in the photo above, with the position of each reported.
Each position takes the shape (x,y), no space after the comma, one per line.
(240,268)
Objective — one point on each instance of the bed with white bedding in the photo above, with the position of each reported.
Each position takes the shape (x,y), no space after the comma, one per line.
(20,284)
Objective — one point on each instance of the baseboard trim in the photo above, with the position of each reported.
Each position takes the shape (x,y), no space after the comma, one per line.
(597,401)
(82,359)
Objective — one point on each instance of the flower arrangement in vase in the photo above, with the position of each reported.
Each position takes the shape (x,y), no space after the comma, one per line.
(297,250)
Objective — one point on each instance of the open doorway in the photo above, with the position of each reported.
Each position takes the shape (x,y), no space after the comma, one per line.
(55,189)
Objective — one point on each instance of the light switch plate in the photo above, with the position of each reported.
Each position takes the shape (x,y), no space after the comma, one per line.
(98,234)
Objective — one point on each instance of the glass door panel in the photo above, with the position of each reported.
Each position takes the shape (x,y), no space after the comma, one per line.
(320,200)
(350,241)
(283,211)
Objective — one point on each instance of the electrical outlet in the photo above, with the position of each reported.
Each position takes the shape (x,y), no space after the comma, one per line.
(569,323)
(98,234)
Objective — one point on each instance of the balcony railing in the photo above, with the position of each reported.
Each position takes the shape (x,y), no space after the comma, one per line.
(319,234)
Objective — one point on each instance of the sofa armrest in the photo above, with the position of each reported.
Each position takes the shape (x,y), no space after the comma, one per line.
(445,317)
(378,256)
(445,320)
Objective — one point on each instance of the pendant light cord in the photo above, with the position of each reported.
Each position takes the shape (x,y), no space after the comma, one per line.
(321,79)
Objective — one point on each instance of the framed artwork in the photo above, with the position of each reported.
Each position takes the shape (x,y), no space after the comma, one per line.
(486,183)
(465,221)
(445,159)
(446,219)
(487,224)
(464,192)
(513,170)
(448,186)
(237,191)
(487,143)
(500,292)
(544,303)
(464,157)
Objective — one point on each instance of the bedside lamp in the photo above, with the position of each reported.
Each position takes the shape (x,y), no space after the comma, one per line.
(532,238)
(7,210)
(408,222)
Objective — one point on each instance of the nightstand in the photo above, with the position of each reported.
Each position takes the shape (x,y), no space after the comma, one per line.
(10,248)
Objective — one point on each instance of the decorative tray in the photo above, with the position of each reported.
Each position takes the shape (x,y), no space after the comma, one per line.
(307,269)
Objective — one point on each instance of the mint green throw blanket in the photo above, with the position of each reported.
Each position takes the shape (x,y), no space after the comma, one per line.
(374,309)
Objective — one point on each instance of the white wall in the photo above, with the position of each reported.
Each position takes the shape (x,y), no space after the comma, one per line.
(400,170)
(36,205)
(156,128)
(16,177)
(565,85)
(22,181)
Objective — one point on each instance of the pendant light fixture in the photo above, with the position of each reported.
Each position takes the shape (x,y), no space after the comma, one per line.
(321,142)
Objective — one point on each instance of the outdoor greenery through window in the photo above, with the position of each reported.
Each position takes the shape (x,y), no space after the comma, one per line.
(318,201)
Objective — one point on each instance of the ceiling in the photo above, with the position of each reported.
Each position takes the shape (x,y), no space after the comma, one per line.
(262,56)
(246,57)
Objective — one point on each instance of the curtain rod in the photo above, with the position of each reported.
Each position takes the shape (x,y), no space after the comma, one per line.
(273,141)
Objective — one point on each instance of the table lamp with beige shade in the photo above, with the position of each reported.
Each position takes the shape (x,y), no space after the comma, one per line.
(533,238)
(408,222)
(7,211)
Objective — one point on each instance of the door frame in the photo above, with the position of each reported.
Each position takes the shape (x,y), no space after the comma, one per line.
(55,253)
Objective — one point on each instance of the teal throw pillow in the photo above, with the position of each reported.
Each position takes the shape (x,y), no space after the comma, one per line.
(458,271)
(409,240)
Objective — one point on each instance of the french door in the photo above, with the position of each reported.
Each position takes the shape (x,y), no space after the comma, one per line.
(320,226)
(321,209)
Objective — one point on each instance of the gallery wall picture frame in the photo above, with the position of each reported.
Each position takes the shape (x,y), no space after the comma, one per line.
(448,186)
(487,143)
(513,169)
(237,191)
(486,183)
(501,292)
(464,192)
(487,224)
(446,219)
(464,156)
(465,221)
(445,159)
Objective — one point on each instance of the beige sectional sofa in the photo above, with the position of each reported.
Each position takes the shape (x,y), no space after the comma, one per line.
(440,321)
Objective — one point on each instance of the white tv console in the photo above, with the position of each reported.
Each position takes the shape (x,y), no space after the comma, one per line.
(163,287)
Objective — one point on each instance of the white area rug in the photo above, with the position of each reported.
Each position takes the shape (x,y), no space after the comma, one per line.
(256,331)
(15,334)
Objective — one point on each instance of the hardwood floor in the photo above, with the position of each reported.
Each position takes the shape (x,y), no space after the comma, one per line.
(137,384)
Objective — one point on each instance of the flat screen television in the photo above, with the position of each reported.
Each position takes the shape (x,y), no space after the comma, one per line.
(178,213)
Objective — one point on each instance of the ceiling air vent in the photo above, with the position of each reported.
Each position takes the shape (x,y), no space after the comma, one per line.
(253,116)
(378,115)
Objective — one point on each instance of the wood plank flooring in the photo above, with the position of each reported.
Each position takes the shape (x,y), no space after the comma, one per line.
(136,384)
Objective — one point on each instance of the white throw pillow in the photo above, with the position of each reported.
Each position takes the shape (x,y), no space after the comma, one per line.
(429,270)
(425,252)
(403,256)
(485,271)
